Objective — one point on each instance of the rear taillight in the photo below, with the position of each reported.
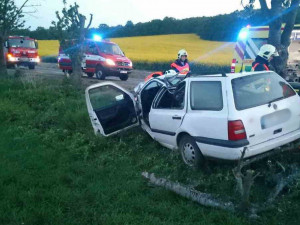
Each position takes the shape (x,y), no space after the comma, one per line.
(236,130)
(232,68)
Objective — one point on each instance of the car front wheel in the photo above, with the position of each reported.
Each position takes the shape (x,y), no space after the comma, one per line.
(99,73)
(124,77)
(190,152)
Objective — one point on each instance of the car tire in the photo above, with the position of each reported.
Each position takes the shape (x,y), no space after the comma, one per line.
(90,74)
(10,66)
(99,73)
(31,66)
(190,152)
(124,77)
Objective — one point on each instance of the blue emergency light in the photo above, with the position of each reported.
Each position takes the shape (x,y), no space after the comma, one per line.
(243,34)
(97,37)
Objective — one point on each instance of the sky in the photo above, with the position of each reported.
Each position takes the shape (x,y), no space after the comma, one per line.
(115,12)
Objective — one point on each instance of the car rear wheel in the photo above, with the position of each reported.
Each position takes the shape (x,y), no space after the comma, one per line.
(190,152)
(99,73)
(90,74)
(124,77)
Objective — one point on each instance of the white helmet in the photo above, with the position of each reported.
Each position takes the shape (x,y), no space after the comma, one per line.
(266,51)
(181,53)
(170,73)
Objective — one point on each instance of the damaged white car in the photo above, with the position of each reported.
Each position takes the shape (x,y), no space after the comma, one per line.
(205,116)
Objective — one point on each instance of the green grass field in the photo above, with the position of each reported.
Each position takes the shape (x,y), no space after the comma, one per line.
(54,170)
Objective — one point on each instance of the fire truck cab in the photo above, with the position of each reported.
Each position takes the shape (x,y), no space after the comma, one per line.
(21,51)
(250,40)
(101,58)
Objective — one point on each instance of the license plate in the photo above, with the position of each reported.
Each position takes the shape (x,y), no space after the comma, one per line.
(123,71)
(24,59)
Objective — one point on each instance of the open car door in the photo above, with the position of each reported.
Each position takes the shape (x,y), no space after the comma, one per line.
(111,108)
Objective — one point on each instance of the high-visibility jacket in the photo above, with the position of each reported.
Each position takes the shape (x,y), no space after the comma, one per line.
(254,68)
(260,64)
(177,65)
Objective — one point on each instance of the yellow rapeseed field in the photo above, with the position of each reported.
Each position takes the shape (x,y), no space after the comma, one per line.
(162,48)
(48,47)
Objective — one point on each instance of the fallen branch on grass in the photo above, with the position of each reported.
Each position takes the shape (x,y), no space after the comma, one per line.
(190,193)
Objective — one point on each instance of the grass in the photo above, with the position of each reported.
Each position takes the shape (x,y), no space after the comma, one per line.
(54,170)
(163,48)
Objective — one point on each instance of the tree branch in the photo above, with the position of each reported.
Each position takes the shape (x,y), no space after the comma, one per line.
(91,19)
(263,5)
(190,193)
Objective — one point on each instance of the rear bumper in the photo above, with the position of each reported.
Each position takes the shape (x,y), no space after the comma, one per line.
(232,153)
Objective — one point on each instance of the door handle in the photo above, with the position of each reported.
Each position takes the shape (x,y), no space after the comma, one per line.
(176,117)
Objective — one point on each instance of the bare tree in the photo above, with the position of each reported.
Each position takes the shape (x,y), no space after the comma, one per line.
(274,12)
(72,25)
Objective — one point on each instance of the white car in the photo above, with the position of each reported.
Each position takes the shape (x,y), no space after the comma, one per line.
(204,116)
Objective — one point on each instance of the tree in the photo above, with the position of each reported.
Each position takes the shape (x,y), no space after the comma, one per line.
(72,25)
(276,12)
(11,19)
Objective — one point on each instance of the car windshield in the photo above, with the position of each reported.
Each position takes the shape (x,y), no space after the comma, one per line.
(23,43)
(109,48)
(259,89)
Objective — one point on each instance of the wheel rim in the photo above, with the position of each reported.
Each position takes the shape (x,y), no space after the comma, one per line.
(99,74)
(188,153)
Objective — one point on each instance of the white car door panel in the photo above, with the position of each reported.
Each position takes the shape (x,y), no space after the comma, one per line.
(166,115)
(207,116)
(111,108)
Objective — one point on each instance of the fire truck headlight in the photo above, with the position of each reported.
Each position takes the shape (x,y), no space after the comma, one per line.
(11,58)
(130,64)
(110,62)
(38,60)
(243,34)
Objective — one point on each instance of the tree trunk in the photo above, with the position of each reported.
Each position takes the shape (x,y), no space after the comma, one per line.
(78,55)
(275,35)
(3,70)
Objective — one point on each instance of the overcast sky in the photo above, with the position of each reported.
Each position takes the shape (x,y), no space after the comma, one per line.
(115,12)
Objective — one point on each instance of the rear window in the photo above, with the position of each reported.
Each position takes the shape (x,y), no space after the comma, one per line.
(206,95)
(255,90)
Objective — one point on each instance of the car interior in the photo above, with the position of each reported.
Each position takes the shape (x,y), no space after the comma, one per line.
(147,96)
(113,107)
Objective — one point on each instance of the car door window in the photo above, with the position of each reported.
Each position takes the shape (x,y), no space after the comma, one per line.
(206,95)
(114,108)
(172,99)
(92,48)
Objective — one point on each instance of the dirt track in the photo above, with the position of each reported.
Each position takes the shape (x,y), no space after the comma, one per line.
(50,70)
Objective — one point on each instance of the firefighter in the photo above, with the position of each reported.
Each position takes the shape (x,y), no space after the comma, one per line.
(263,58)
(181,65)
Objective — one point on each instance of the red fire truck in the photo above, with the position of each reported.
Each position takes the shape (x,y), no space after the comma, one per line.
(21,51)
(101,58)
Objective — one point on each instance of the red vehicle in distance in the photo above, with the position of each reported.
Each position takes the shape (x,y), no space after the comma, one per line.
(21,51)
(101,58)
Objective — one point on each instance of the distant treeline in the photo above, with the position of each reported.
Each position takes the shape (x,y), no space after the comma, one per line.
(217,28)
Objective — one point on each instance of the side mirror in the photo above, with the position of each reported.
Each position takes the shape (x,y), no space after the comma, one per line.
(123,53)
(36,44)
(6,44)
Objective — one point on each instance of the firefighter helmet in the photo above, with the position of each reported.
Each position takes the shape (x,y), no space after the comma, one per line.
(181,53)
(266,51)
(170,72)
